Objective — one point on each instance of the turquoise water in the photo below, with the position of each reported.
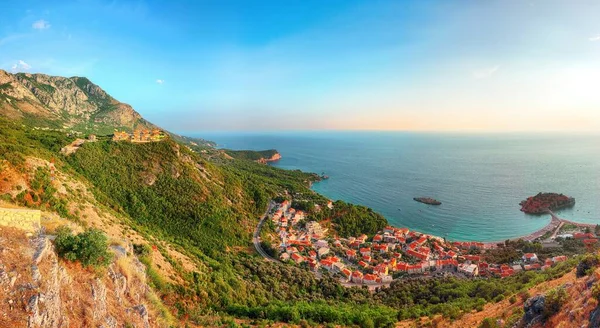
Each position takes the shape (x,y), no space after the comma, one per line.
(480,179)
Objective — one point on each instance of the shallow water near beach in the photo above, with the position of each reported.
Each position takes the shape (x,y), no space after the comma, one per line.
(480,179)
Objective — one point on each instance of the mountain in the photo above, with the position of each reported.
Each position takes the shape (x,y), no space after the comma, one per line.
(73,103)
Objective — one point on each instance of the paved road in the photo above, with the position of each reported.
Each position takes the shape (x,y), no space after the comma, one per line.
(256,237)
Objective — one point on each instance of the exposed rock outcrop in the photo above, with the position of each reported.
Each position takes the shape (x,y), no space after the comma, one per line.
(534,311)
(37,289)
(66,102)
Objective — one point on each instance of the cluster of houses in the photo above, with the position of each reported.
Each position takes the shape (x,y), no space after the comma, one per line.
(389,253)
(139,135)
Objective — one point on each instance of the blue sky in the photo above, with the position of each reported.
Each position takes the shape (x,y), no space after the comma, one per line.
(298,65)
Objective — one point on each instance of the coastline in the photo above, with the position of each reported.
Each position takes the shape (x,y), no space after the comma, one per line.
(553,226)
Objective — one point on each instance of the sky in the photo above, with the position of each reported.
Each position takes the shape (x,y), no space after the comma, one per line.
(192,66)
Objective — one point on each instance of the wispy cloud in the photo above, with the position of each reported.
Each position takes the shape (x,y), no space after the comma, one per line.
(485,72)
(595,38)
(159,81)
(20,66)
(41,25)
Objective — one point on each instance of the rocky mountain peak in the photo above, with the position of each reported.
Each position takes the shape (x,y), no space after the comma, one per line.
(73,103)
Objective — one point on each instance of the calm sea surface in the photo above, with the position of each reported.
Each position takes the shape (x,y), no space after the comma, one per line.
(480,179)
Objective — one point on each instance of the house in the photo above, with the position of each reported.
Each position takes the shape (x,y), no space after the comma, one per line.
(363,264)
(417,254)
(323,251)
(355,244)
(389,229)
(367,258)
(321,243)
(357,277)
(401,266)
(471,270)
(391,263)
(473,258)
(390,238)
(386,278)
(329,204)
(297,258)
(314,265)
(351,254)
(314,228)
(380,269)
(347,273)
(446,264)
(370,279)
(334,259)
(327,264)
(337,267)
(380,248)
(377,238)
(415,268)
(284,256)
(285,205)
(557,259)
(362,238)
(530,257)
(422,240)
(312,254)
(581,235)
(365,251)
(401,231)
(119,136)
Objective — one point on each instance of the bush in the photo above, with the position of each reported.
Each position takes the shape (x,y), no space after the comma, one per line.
(587,266)
(488,323)
(596,291)
(89,247)
(142,250)
(554,301)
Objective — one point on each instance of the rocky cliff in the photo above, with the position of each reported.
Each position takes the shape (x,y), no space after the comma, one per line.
(37,289)
(67,103)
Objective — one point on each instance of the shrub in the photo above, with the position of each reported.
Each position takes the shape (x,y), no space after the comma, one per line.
(596,291)
(89,247)
(554,301)
(142,250)
(488,323)
(587,265)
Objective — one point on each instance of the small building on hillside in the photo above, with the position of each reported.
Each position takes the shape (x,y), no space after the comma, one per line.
(470,270)
(530,257)
(121,136)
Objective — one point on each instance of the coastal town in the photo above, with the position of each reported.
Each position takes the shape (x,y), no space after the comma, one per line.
(392,253)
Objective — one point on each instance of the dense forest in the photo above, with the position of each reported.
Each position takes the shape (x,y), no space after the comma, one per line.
(351,220)
(253,155)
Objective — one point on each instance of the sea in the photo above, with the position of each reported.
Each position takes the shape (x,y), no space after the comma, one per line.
(479,178)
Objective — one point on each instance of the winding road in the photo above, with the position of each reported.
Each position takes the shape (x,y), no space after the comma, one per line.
(256,237)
